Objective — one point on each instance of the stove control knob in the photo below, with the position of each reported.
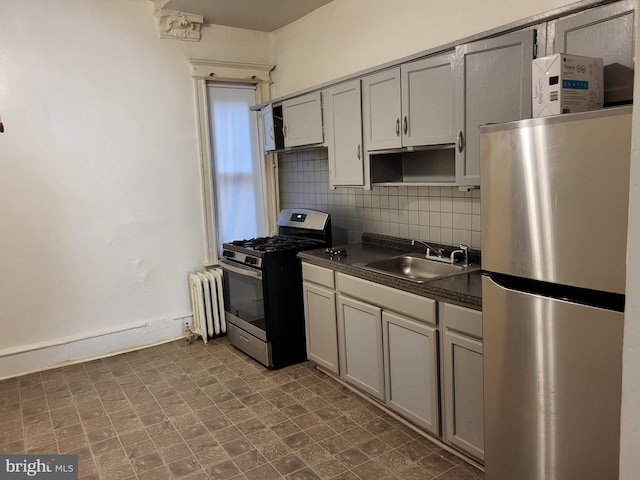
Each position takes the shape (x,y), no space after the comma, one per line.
(228,253)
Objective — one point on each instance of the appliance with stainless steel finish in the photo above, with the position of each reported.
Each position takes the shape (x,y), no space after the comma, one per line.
(263,288)
(554,228)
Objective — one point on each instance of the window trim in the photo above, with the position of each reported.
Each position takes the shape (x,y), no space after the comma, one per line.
(205,72)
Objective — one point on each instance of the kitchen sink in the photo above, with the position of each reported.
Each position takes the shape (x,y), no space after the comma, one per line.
(416,268)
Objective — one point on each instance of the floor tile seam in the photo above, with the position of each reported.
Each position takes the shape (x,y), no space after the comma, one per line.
(444,474)
(22,416)
(238,466)
(117,435)
(52,426)
(186,443)
(291,451)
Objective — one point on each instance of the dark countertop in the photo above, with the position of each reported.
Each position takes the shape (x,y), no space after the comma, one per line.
(462,289)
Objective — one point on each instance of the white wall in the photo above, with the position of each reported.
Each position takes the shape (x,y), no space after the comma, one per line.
(630,421)
(100,204)
(347,36)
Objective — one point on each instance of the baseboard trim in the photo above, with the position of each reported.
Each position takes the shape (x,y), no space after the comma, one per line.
(93,345)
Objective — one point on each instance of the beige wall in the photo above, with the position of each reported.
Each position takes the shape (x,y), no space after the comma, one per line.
(347,36)
(230,44)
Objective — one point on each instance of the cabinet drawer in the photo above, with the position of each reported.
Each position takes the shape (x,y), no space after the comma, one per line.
(320,275)
(415,306)
(461,319)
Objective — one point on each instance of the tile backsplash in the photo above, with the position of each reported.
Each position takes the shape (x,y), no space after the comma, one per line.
(437,214)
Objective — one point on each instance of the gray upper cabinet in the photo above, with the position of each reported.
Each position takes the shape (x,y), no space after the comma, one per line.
(343,128)
(268,128)
(303,120)
(605,32)
(494,78)
(411,105)
(381,110)
(428,95)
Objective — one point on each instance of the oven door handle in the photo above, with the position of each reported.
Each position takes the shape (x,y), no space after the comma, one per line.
(241,270)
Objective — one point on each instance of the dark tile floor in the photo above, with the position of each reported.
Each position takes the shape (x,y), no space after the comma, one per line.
(209,412)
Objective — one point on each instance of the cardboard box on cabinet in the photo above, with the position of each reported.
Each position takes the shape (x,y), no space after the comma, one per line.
(566,84)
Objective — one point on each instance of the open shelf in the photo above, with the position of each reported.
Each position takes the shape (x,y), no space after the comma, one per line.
(418,167)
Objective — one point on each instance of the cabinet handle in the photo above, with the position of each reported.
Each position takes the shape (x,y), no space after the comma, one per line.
(404,125)
(397,127)
(271,133)
(460,142)
(284,130)
(358,152)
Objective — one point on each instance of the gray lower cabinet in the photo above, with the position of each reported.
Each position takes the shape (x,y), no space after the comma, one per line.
(462,379)
(387,343)
(389,347)
(411,367)
(360,341)
(320,316)
(321,327)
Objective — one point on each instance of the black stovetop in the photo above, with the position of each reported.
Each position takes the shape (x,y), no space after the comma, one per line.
(277,243)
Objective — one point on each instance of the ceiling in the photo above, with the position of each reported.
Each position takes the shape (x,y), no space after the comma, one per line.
(261,15)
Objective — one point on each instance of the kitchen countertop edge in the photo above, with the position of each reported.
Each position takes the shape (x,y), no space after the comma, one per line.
(461,289)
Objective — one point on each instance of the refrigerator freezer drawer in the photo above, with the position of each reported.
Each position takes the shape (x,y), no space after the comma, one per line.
(552,383)
(555,194)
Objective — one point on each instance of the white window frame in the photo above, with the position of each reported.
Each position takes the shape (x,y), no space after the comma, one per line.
(205,72)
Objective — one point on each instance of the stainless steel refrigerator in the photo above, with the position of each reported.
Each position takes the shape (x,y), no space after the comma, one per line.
(554,202)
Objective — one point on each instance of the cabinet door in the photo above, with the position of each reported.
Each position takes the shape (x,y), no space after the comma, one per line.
(321,327)
(360,342)
(302,120)
(411,367)
(381,110)
(267,127)
(605,32)
(494,80)
(463,385)
(343,122)
(428,101)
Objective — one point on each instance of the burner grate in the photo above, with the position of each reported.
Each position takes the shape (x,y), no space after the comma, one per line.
(272,244)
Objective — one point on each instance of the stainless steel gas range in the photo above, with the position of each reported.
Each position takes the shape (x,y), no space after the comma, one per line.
(263,288)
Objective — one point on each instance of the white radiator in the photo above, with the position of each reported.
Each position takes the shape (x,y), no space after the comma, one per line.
(208,303)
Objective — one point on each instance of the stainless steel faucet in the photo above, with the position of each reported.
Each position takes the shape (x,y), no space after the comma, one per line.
(463,249)
(439,252)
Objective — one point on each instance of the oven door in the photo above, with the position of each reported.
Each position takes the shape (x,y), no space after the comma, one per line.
(244,298)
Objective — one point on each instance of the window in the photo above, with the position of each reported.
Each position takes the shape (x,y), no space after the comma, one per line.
(236,163)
